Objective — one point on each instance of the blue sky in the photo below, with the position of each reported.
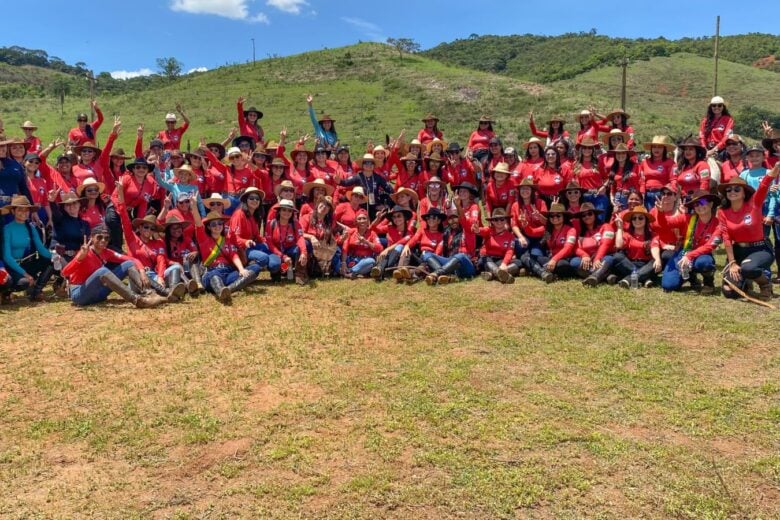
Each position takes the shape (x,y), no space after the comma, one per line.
(111,35)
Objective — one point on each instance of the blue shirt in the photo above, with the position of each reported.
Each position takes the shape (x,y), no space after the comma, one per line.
(12,181)
(327,139)
(176,189)
(16,245)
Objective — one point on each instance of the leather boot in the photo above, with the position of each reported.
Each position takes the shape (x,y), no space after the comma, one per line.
(446,273)
(197,276)
(508,276)
(36,292)
(220,291)
(243,282)
(596,277)
(708,284)
(111,281)
(490,272)
(390,259)
(135,281)
(764,287)
(433,266)
(176,288)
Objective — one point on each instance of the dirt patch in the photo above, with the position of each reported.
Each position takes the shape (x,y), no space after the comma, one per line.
(214,454)
(267,397)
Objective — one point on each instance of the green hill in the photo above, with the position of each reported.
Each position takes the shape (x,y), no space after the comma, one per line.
(371,93)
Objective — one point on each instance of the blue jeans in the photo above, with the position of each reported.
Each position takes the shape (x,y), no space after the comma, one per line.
(650,197)
(92,290)
(671,279)
(228,274)
(466,269)
(275,261)
(360,265)
(534,247)
(259,254)
(171,268)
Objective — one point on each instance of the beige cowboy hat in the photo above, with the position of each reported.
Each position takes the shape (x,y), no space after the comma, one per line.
(18,201)
(90,182)
(317,183)
(660,140)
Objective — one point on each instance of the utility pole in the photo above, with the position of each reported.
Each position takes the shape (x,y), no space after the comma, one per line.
(91,79)
(624,65)
(717,56)
(253,50)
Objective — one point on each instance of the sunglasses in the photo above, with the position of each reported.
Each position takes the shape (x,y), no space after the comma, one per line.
(254,198)
(147,227)
(34,161)
(87,150)
(184,201)
(666,193)
(453,153)
(555,215)
(717,105)
(734,189)
(637,217)
(589,214)
(92,190)
(235,156)
(81,120)
(100,238)
(216,223)
(214,204)
(499,219)
(287,190)
(702,202)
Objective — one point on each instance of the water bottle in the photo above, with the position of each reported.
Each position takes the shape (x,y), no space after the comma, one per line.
(634,279)
(291,273)
(57,261)
(685,271)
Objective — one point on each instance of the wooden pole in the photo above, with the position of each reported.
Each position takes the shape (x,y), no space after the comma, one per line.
(253,50)
(623,64)
(717,43)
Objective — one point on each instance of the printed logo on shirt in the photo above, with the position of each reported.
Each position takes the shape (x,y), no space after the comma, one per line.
(571,240)
(557,179)
(688,177)
(659,169)
(597,237)
(147,197)
(609,234)
(748,220)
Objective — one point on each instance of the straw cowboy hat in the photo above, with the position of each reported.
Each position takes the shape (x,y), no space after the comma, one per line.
(639,210)
(410,157)
(216,198)
(28,125)
(286,204)
(69,197)
(278,161)
(502,167)
(586,207)
(18,201)
(660,140)
(412,194)
(691,142)
(184,170)
(587,142)
(435,156)
(90,182)
(737,181)
(174,220)
(250,190)
(612,133)
(255,110)
(536,141)
(438,141)
(326,117)
(317,183)
(527,182)
(702,195)
(558,118)
(572,185)
(357,190)
(616,112)
(282,185)
(88,146)
(120,153)
(621,148)
(213,215)
(717,100)
(498,214)
(555,208)
(486,119)
(301,148)
(148,219)
(430,117)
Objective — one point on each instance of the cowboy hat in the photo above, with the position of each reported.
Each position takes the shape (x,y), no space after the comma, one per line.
(430,117)
(502,167)
(317,183)
(243,139)
(691,142)
(379,148)
(213,215)
(234,150)
(587,142)
(69,197)
(736,181)
(326,117)
(216,197)
(18,201)
(255,110)
(454,147)
(586,207)
(717,100)
(285,184)
(612,133)
(286,204)
(219,147)
(357,190)
(197,153)
(410,157)
(398,209)
(120,152)
(498,214)
(88,183)
(184,169)
(769,141)
(486,119)
(556,207)
(148,219)
(434,141)
(170,117)
(140,161)
(412,194)
(261,150)
(28,125)
(434,212)
(572,185)
(278,161)
(660,140)
(527,182)
(621,148)
(616,112)
(367,157)
(466,186)
(89,145)
(301,148)
(698,195)
(434,179)
(558,118)
(250,190)
(435,156)
(638,210)
(174,220)
(534,140)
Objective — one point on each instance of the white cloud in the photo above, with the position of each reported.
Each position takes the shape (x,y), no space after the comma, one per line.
(197,69)
(288,6)
(232,9)
(372,30)
(127,74)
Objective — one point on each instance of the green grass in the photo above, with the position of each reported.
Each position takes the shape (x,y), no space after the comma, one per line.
(362,400)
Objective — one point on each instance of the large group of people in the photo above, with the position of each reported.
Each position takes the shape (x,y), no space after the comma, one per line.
(159,224)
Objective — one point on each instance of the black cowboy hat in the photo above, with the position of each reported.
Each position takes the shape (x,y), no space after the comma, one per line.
(399,209)
(219,147)
(255,110)
(140,161)
(454,147)
(243,138)
(468,186)
(435,212)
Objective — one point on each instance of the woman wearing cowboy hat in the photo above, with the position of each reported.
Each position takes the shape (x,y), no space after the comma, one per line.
(323,168)
(432,166)
(180,247)
(478,145)
(299,165)
(772,145)
(407,199)
(70,229)
(527,220)
(692,171)
(164,275)
(410,174)
(13,180)
(172,135)
(396,225)
(559,244)
(359,249)
(610,140)
(500,191)
(596,245)
(319,231)
(617,119)
(225,273)
(429,240)
(670,231)
(137,188)
(61,176)
(734,161)
(277,175)
(572,196)
(461,259)
(457,169)
(85,131)
(244,228)
(624,175)
(587,174)
(638,248)
(24,255)
(497,251)
(533,158)
(39,189)
(249,121)
(747,250)
(657,168)
(216,203)
(284,237)
(554,131)
(716,126)
(94,162)
(33,143)
(375,187)
(91,281)
(116,168)
(314,191)
(285,190)
(434,196)
(324,127)
(551,177)
(514,164)
(470,215)
(430,131)
(589,127)
(702,236)
(238,175)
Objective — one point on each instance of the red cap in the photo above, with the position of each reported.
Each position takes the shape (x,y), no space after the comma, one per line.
(360,212)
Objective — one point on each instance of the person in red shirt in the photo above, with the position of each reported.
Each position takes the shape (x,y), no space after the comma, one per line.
(734,162)
(564,147)
(32,142)
(587,174)
(589,127)
(430,131)
(468,212)
(138,187)
(93,208)
(396,226)
(429,242)
(495,154)
(171,136)
(498,248)
(320,233)
(434,196)
(624,175)
(692,171)
(638,248)
(182,249)
(559,244)
(702,237)
(716,126)
(533,159)
(748,253)
(249,121)
(346,212)
(94,161)
(245,227)
(657,169)
(360,247)
(91,281)
(618,119)
(596,245)
(457,169)
(500,192)
(527,220)
(407,199)
(477,147)
(551,177)
(225,273)
(284,237)
(771,145)
(554,130)
(39,188)
(85,131)
(410,174)
(313,192)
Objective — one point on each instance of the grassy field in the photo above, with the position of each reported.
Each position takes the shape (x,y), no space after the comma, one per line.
(371,93)
(359,400)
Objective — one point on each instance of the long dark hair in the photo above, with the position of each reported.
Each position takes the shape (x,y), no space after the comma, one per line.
(327,222)
(683,162)
(557,158)
(169,240)
(528,154)
(627,167)
(258,216)
(98,202)
(623,123)
(648,234)
(552,133)
(711,118)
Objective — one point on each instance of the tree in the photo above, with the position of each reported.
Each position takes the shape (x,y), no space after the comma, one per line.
(61,87)
(170,67)
(404,45)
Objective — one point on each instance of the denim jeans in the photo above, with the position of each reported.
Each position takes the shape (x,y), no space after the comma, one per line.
(170,269)
(228,274)
(576,263)
(671,279)
(360,265)
(275,261)
(92,290)
(466,268)
(259,254)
